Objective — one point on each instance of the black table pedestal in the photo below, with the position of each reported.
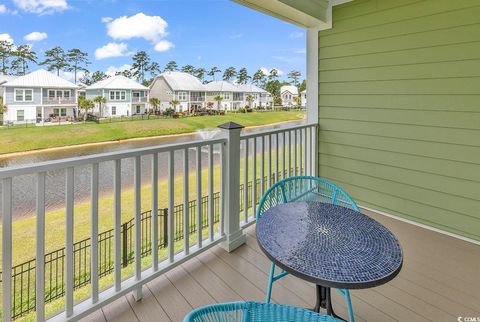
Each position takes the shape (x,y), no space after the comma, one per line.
(324,301)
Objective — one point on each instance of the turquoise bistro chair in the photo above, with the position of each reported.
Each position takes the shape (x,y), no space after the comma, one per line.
(305,188)
(254,312)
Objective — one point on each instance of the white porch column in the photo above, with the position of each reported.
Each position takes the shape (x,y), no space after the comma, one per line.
(312,75)
(231,189)
(43,115)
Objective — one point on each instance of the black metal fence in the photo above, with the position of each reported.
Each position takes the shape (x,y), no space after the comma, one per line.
(23,275)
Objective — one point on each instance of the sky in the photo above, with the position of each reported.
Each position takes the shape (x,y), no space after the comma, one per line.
(202,33)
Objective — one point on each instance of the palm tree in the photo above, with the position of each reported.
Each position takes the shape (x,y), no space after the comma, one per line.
(24,54)
(155,103)
(100,100)
(214,70)
(85,105)
(229,73)
(250,100)
(174,104)
(219,100)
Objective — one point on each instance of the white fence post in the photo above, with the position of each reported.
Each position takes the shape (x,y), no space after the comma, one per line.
(234,236)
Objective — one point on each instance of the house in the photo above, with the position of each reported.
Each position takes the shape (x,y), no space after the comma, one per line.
(261,98)
(289,94)
(232,96)
(181,87)
(123,96)
(303,98)
(39,96)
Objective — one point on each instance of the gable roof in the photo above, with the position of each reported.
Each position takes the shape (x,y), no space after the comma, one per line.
(289,88)
(250,88)
(40,78)
(180,81)
(117,82)
(222,86)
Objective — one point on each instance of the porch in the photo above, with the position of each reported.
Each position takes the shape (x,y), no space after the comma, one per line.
(432,286)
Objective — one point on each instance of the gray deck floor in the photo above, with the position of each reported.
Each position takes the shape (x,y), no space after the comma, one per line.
(440,281)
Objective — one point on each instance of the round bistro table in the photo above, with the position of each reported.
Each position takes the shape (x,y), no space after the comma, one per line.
(329,245)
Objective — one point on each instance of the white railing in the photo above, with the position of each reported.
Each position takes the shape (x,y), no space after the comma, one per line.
(59,100)
(136,99)
(281,153)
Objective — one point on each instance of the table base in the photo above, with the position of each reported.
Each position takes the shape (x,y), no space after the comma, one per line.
(324,301)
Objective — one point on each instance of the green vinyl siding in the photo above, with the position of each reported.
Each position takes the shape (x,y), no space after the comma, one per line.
(399,114)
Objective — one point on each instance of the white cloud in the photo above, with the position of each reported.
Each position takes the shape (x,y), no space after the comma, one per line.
(297,34)
(266,70)
(112,50)
(106,19)
(42,6)
(112,70)
(36,36)
(151,28)
(6,37)
(3,9)
(288,59)
(163,45)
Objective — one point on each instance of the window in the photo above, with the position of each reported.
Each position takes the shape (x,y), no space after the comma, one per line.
(51,94)
(182,96)
(114,110)
(117,95)
(59,94)
(20,115)
(226,96)
(23,95)
(138,109)
(63,112)
(66,94)
(55,111)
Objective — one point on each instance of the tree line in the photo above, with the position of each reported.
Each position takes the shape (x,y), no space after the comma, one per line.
(16,60)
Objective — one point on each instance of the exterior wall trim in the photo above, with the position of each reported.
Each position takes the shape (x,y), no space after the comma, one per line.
(411,222)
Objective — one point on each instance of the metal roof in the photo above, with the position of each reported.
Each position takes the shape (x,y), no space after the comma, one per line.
(289,88)
(180,81)
(222,86)
(6,78)
(40,78)
(250,88)
(117,82)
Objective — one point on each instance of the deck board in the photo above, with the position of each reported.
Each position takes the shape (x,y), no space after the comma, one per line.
(436,283)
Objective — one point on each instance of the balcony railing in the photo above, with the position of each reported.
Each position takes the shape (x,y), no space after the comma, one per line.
(58,100)
(139,99)
(152,242)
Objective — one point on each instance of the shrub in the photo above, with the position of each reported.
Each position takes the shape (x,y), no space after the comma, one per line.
(242,110)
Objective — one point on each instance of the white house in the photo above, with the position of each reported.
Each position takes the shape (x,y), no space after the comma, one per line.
(303,96)
(39,97)
(289,94)
(179,86)
(261,98)
(232,96)
(123,96)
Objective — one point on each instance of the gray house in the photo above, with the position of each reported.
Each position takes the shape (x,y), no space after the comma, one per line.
(39,97)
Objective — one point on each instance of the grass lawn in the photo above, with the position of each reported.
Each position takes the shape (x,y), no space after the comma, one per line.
(33,138)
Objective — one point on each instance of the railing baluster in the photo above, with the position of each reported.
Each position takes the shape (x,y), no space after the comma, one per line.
(300,151)
(210,192)
(305,153)
(289,153)
(254,174)
(94,233)
(40,254)
(269,160)
(155,211)
(284,147)
(262,166)
(171,210)
(277,136)
(7,249)
(137,178)
(199,196)
(69,225)
(186,208)
(117,222)
(314,151)
(295,146)
(245,182)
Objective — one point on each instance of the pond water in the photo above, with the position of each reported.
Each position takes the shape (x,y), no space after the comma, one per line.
(24,187)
